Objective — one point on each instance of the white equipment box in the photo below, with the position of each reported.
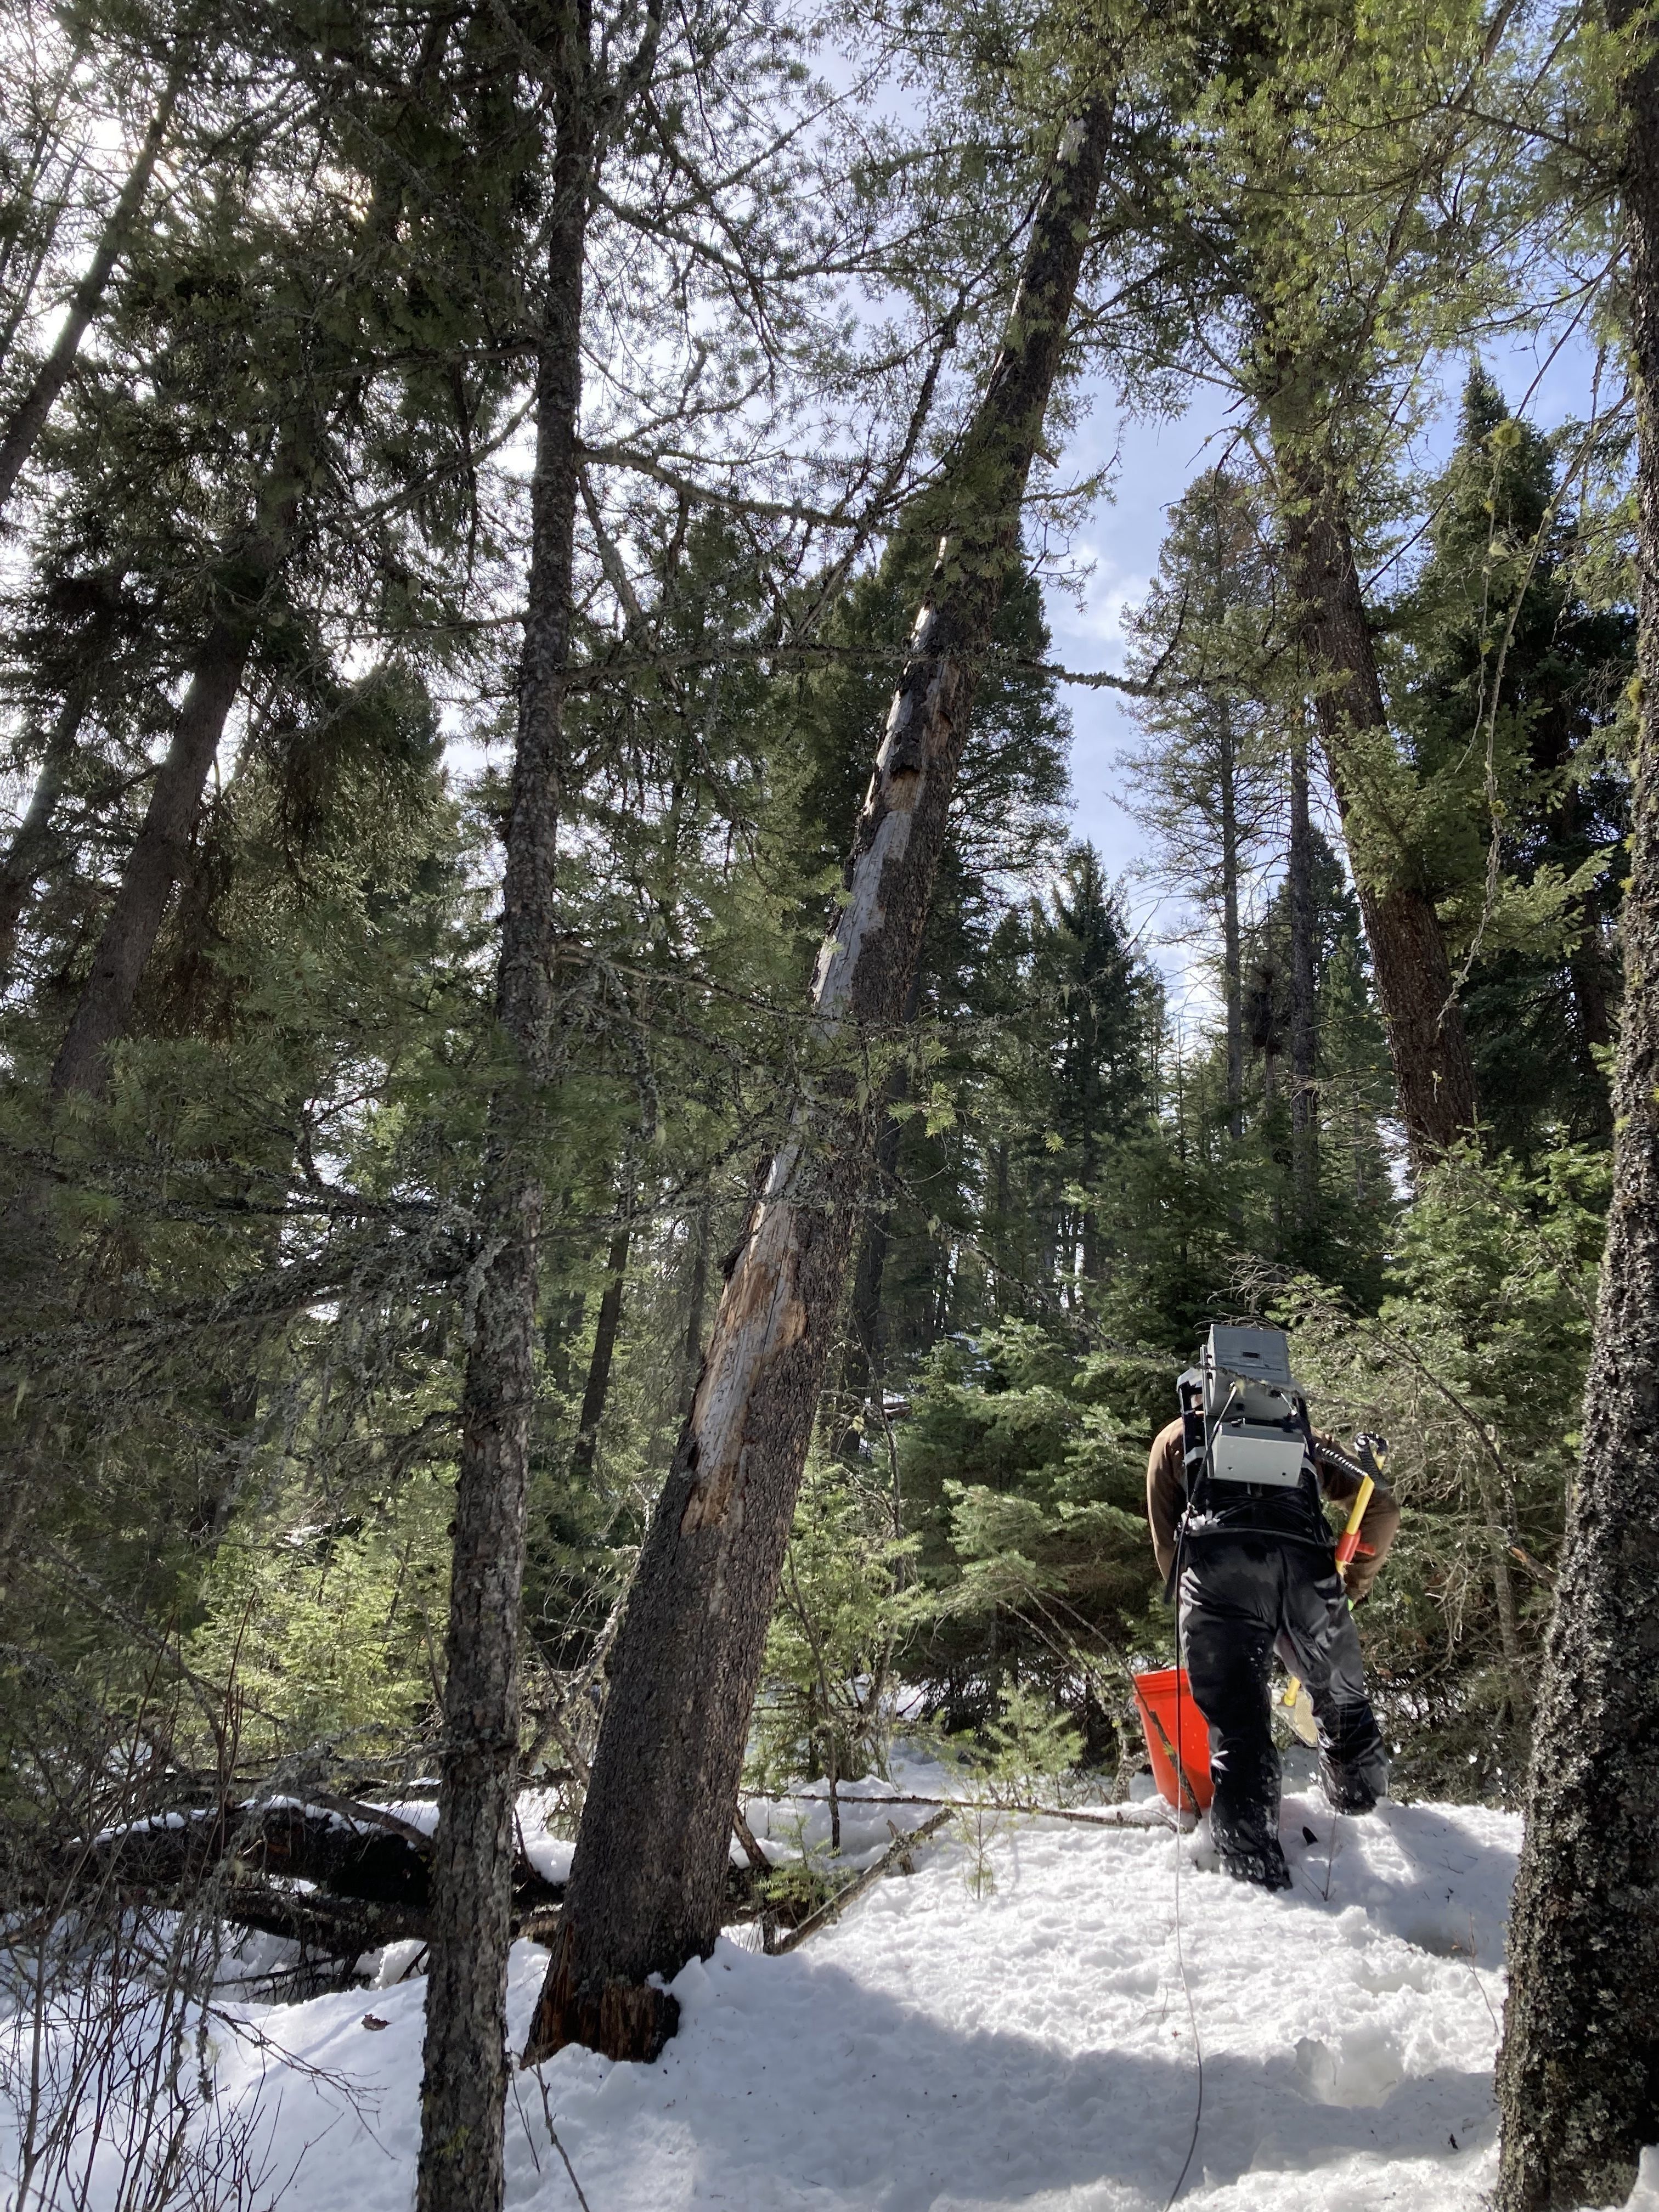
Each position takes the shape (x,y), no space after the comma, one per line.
(1252,1408)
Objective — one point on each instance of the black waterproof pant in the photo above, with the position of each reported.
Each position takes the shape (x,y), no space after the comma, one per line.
(1245,1595)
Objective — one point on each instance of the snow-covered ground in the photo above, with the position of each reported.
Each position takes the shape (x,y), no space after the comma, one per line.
(1018,2024)
(939,2049)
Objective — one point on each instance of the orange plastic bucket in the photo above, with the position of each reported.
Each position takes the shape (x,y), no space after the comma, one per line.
(1173,1723)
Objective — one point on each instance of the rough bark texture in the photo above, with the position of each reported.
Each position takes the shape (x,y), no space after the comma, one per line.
(1578,2075)
(464,2086)
(28,417)
(160,853)
(1304,1038)
(1433,1072)
(648,1874)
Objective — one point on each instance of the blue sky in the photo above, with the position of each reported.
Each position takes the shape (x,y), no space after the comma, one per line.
(1156,461)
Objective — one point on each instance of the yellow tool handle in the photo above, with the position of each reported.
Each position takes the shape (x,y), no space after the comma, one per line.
(1348,1542)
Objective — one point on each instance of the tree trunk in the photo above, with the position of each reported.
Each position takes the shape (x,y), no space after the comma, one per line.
(464,2090)
(1232,957)
(28,417)
(1304,1040)
(1578,2075)
(160,853)
(648,1876)
(26,855)
(597,1386)
(1433,1074)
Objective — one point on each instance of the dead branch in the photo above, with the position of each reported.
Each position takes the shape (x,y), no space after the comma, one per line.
(833,1907)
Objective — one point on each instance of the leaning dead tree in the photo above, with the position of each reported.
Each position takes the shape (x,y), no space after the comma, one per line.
(1578,2077)
(649,1877)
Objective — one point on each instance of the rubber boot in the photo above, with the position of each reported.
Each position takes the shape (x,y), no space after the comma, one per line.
(1265,1870)
(1345,1791)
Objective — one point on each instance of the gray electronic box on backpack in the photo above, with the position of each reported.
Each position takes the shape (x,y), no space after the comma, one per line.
(1254,1425)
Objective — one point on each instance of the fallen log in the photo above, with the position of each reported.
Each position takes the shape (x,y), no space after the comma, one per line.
(335,1874)
(365,1871)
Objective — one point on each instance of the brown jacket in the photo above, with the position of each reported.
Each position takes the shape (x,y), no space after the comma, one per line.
(1166,1501)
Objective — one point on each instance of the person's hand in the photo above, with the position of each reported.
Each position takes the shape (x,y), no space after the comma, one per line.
(1371,1452)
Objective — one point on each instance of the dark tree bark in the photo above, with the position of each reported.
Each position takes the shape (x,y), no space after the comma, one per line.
(28,417)
(464,2086)
(597,1388)
(1433,1074)
(1578,2075)
(160,853)
(32,841)
(1304,1041)
(648,1874)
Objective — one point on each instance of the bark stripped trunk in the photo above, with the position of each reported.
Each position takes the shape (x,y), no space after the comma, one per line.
(1304,1040)
(597,1388)
(160,853)
(32,841)
(28,417)
(463,2090)
(1433,1074)
(648,1876)
(1578,2075)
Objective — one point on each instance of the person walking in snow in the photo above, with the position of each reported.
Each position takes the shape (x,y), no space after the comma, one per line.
(1235,1492)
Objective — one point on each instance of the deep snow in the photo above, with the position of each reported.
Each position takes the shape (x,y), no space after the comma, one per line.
(939,2051)
(954,2047)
